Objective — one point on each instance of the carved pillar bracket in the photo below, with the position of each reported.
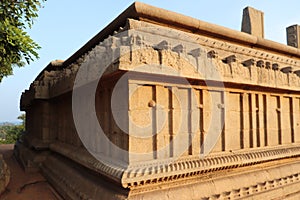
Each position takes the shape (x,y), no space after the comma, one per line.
(286,70)
(260,64)
(195,52)
(275,66)
(163,45)
(179,49)
(249,63)
(297,72)
(212,54)
(268,65)
(229,59)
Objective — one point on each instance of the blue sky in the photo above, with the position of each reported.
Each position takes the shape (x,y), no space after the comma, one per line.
(64,26)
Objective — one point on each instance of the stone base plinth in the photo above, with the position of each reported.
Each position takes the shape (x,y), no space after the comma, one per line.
(271,180)
(29,158)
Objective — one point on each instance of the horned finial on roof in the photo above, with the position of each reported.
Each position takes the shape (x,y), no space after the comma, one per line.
(293,36)
(253,22)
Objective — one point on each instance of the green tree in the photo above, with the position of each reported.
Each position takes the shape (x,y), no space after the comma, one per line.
(13,134)
(16,46)
(23,118)
(10,133)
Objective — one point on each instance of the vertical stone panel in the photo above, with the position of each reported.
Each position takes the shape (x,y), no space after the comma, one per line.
(189,121)
(114,135)
(154,121)
(207,118)
(273,119)
(109,122)
(253,120)
(38,120)
(296,115)
(291,101)
(52,122)
(46,121)
(234,121)
(142,122)
(177,120)
(88,132)
(171,120)
(265,119)
(182,137)
(257,119)
(163,128)
(61,134)
(121,111)
(118,109)
(246,121)
(262,124)
(286,121)
(119,117)
(76,141)
(201,120)
(196,99)
(214,114)
(71,126)
(279,118)
(106,121)
(100,107)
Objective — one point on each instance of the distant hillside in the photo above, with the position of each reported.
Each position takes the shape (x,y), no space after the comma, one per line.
(10,123)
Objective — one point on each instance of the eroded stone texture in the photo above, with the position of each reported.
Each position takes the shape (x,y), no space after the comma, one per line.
(197,116)
(4,175)
(253,22)
(293,36)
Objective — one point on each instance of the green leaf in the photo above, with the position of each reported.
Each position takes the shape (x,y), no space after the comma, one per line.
(16,46)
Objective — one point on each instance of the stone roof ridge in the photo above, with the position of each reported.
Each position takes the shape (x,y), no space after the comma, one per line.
(145,12)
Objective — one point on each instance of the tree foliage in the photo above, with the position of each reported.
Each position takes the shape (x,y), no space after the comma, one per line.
(16,46)
(10,133)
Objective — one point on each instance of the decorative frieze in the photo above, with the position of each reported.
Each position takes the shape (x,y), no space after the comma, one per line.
(170,170)
(64,78)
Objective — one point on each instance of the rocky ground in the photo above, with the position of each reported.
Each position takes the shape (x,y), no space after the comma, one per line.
(24,186)
(4,174)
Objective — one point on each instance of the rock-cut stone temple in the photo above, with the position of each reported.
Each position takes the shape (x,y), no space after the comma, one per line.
(159,105)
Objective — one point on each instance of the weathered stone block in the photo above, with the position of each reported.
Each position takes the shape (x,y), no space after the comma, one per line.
(293,36)
(253,22)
